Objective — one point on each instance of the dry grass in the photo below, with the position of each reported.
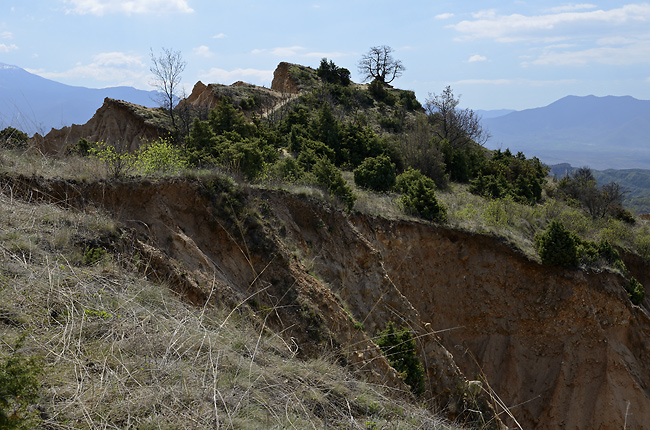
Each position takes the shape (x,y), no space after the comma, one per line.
(123,352)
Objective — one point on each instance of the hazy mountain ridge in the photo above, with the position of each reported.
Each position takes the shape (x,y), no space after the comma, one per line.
(609,132)
(35,104)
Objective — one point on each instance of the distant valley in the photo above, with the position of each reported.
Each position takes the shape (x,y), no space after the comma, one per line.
(599,132)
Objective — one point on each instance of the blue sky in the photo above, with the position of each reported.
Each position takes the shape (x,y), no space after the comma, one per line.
(495,54)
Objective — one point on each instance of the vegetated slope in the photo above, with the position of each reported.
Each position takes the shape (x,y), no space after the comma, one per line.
(600,132)
(209,242)
(117,349)
(36,105)
(561,347)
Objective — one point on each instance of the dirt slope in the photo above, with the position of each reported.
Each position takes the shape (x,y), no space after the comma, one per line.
(206,240)
(562,348)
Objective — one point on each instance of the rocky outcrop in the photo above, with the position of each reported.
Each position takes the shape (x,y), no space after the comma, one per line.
(115,122)
(282,80)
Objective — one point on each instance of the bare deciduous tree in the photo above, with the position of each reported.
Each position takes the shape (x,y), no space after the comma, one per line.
(457,126)
(166,69)
(378,64)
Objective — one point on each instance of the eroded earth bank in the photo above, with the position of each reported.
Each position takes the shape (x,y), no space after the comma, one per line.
(559,348)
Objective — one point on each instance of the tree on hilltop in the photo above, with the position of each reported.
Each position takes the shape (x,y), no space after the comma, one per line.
(379,65)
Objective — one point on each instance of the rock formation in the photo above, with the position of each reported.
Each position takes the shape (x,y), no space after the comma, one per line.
(282,80)
(114,122)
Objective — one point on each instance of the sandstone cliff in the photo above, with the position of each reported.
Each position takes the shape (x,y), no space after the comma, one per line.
(561,348)
(114,122)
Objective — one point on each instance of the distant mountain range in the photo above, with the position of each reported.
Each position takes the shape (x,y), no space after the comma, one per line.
(599,132)
(35,104)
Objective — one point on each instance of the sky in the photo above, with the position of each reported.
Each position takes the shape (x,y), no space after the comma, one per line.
(494,54)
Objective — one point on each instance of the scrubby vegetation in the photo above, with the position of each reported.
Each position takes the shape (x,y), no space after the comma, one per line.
(105,331)
(398,345)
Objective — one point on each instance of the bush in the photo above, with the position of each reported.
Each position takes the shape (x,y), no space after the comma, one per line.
(376,173)
(118,160)
(398,346)
(19,388)
(419,196)
(635,291)
(160,156)
(245,157)
(13,138)
(330,72)
(81,148)
(330,178)
(557,246)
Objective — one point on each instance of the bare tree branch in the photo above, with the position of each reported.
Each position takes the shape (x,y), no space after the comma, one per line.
(379,64)
(166,69)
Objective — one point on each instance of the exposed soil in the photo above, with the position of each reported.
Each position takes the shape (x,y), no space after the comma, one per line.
(561,348)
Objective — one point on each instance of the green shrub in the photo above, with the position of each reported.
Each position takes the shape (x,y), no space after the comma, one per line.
(19,388)
(557,246)
(13,138)
(160,156)
(245,157)
(330,72)
(82,147)
(635,291)
(376,173)
(419,196)
(93,255)
(398,346)
(118,160)
(331,178)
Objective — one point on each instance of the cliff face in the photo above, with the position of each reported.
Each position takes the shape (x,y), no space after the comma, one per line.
(561,348)
(115,122)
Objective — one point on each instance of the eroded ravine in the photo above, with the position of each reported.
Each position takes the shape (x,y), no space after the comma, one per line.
(561,348)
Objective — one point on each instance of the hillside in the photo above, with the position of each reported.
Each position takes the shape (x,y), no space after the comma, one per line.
(318,254)
(36,105)
(599,132)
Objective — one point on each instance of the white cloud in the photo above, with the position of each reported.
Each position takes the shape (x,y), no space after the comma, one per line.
(6,35)
(128,7)
(118,59)
(512,82)
(8,48)
(287,51)
(508,28)
(219,36)
(627,54)
(203,51)
(114,68)
(485,14)
(253,76)
(328,55)
(572,7)
(444,16)
(297,51)
(476,58)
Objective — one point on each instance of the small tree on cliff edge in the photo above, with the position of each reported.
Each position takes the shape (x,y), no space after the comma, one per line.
(379,65)
(167,69)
